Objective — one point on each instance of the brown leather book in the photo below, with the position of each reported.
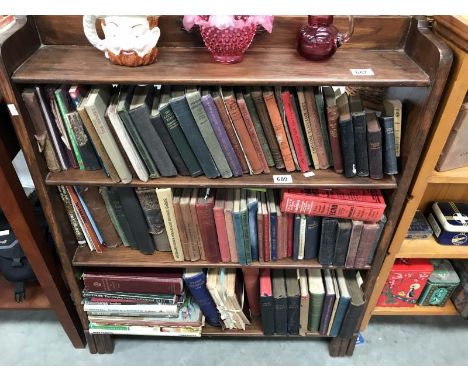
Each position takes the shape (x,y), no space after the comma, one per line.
(228,207)
(333,132)
(193,213)
(356,230)
(184,240)
(374,147)
(277,122)
(252,288)
(189,228)
(229,127)
(256,165)
(366,244)
(455,153)
(98,210)
(206,221)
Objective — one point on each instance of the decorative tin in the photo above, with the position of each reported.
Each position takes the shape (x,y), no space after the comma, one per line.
(440,285)
(449,221)
(419,228)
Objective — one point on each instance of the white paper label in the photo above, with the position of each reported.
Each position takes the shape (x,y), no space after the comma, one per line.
(12,109)
(362,72)
(309,174)
(4,233)
(282,179)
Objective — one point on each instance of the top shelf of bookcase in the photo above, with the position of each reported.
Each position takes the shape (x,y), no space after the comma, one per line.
(193,66)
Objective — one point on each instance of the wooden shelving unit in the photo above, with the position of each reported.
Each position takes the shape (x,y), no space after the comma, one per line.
(447,310)
(406,58)
(431,185)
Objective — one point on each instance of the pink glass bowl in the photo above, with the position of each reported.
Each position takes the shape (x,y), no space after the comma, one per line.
(228,45)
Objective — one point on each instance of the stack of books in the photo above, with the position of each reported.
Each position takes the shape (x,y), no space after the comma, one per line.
(140,303)
(148,131)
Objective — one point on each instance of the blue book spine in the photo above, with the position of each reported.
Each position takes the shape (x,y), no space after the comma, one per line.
(239,235)
(274,236)
(197,287)
(252,208)
(297,233)
(339,316)
(312,237)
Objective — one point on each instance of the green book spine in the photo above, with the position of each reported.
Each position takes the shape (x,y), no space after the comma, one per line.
(245,230)
(63,113)
(113,216)
(323,124)
(315,312)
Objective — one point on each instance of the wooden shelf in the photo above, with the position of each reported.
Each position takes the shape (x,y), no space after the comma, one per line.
(322,179)
(456,176)
(35,298)
(447,310)
(194,66)
(430,249)
(125,257)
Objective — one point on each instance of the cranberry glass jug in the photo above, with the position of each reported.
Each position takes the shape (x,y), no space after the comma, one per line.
(320,38)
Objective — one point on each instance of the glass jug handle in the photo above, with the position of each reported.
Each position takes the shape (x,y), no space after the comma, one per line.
(344,37)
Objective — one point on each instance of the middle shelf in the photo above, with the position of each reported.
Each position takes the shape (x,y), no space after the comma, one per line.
(430,249)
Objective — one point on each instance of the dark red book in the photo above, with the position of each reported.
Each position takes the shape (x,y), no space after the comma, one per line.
(290,237)
(206,222)
(252,288)
(156,281)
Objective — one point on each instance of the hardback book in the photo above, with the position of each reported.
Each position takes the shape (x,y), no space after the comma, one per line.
(297,234)
(312,237)
(267,302)
(237,225)
(278,127)
(42,136)
(124,100)
(252,210)
(419,227)
(253,160)
(328,301)
(195,279)
(124,138)
(366,243)
(221,231)
(356,305)
(307,126)
(206,130)
(67,202)
(381,224)
(293,300)
(206,222)
(270,135)
(333,131)
(343,303)
(393,107)
(356,230)
(345,125)
(302,230)
(328,237)
(297,113)
(252,289)
(282,233)
(360,135)
(251,130)
(167,210)
(216,93)
(193,212)
(460,295)
(96,104)
(150,205)
(390,165)
(181,109)
(227,318)
(280,299)
(335,304)
(133,310)
(139,110)
(228,218)
(189,227)
(220,132)
(152,281)
(260,229)
(343,235)
(266,228)
(258,128)
(176,133)
(136,217)
(273,225)
(295,131)
(184,240)
(244,215)
(316,296)
(236,296)
(163,133)
(305,301)
(374,147)
(454,155)
(319,101)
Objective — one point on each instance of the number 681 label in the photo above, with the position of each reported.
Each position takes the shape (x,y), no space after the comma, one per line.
(282,179)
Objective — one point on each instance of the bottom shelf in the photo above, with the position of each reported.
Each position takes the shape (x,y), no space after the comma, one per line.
(35,298)
(447,310)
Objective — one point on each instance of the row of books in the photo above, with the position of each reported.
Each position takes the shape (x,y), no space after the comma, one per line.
(150,131)
(220,225)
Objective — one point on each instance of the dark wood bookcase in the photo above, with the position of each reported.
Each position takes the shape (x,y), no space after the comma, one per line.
(407,59)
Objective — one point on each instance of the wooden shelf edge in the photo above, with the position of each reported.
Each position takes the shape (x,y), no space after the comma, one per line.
(430,249)
(447,310)
(456,176)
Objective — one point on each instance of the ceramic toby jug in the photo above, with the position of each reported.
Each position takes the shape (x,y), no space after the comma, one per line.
(129,40)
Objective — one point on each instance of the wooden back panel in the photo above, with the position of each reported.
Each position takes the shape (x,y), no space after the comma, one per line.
(386,32)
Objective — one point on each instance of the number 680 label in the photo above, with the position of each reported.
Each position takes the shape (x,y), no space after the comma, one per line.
(282,179)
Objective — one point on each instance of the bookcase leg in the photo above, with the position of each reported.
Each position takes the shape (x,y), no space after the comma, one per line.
(104,343)
(351,346)
(91,343)
(338,347)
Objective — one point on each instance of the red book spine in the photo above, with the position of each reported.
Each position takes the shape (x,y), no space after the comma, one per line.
(294,130)
(223,242)
(266,237)
(207,226)
(370,196)
(290,238)
(309,204)
(109,283)
(252,288)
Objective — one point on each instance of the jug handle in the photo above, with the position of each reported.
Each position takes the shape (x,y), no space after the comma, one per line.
(344,37)
(89,26)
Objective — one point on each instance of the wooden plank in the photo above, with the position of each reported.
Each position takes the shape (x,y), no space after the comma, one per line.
(81,64)
(458,175)
(321,179)
(430,249)
(447,310)
(127,257)
(35,297)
